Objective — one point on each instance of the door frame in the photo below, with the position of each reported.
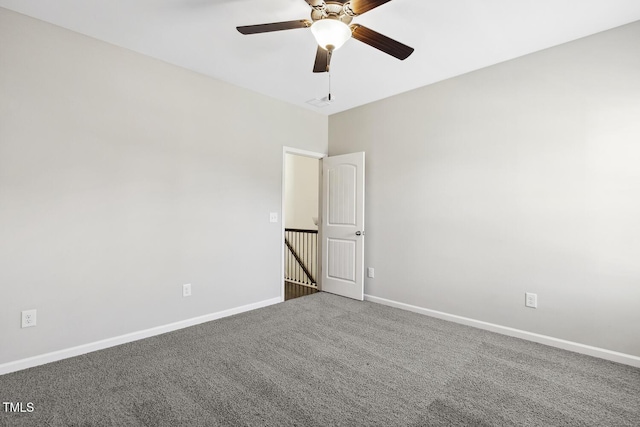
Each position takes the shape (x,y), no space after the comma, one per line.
(304,153)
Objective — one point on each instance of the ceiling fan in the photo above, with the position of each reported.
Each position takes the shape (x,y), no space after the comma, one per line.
(330,26)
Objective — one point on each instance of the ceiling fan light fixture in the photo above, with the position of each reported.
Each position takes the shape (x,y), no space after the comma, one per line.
(330,33)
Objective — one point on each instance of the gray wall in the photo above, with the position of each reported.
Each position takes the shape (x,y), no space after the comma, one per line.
(121,178)
(522,177)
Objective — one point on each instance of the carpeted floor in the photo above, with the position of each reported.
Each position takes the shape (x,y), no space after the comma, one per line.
(323,360)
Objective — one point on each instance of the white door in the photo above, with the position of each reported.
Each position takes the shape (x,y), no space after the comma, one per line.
(342,226)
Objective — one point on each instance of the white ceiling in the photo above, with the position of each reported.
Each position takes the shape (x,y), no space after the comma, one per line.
(450,37)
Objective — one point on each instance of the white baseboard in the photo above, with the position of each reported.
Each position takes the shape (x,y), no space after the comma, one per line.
(30,362)
(601,353)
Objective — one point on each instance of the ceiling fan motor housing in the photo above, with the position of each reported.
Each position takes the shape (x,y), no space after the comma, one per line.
(333,10)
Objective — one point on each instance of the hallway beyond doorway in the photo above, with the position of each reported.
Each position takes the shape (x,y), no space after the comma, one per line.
(294,290)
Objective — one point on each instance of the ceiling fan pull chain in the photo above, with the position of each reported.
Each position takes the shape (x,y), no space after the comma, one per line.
(329,74)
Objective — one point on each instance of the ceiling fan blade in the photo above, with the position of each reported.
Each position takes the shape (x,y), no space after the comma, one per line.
(361,6)
(275,26)
(322,61)
(381,42)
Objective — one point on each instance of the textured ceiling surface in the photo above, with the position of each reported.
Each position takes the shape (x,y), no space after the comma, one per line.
(450,38)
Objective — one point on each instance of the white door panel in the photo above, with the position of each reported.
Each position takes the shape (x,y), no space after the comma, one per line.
(342,225)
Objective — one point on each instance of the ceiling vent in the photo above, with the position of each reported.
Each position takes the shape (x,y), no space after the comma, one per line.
(319,103)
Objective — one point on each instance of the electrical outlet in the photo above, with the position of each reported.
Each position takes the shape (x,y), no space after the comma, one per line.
(370,272)
(29,318)
(186,290)
(273,217)
(531,300)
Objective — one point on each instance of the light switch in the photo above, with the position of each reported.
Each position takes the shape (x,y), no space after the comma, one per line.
(273,217)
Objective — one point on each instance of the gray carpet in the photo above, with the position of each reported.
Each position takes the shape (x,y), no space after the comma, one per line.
(324,360)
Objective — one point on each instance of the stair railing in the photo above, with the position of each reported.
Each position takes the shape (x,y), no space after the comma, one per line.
(301,256)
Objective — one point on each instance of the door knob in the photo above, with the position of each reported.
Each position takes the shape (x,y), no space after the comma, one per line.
(359,233)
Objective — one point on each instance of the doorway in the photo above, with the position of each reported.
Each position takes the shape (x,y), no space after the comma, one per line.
(301,173)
